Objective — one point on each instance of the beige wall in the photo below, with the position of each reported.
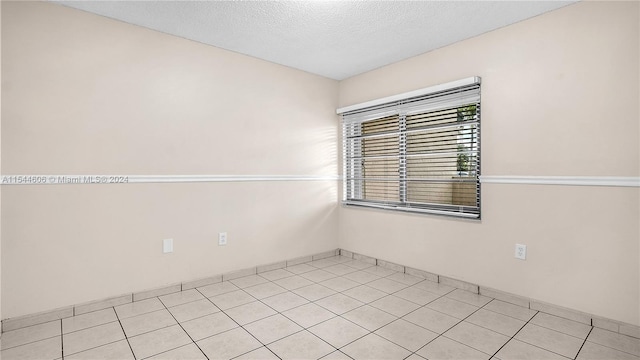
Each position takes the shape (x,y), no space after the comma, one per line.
(83,94)
(559,97)
(1,164)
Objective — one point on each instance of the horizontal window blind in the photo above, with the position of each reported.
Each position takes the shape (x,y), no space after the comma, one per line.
(419,154)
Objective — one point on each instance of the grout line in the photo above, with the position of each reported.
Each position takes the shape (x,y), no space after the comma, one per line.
(456,324)
(513,317)
(184,303)
(539,347)
(314,301)
(609,346)
(123,332)
(303,328)
(61,340)
(514,335)
(396,318)
(90,327)
(300,325)
(183,329)
(584,342)
(242,327)
(558,331)
(97,346)
(30,342)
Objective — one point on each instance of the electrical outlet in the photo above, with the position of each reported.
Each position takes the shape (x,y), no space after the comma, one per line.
(167,246)
(521,251)
(222,238)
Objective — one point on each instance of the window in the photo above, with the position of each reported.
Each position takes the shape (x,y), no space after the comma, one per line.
(416,152)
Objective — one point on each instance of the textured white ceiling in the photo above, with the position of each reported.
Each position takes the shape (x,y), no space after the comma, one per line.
(336,39)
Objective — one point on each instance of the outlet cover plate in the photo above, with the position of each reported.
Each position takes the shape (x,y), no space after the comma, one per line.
(167,246)
(521,252)
(222,239)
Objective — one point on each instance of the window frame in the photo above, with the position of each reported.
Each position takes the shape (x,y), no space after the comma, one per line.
(451,96)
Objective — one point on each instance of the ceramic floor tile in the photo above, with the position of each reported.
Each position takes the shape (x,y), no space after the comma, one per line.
(272,328)
(431,320)
(318,275)
(232,299)
(323,263)
(30,334)
(300,268)
(88,320)
(444,348)
(615,341)
(265,290)
(186,352)
(502,324)
(417,295)
(209,325)
(217,289)
(340,269)
(434,287)
(118,350)
(285,301)
(408,335)
(277,274)
(387,285)
(405,278)
(293,282)
(380,271)
(360,265)
(336,355)
(192,310)
(592,351)
(415,357)
(395,305)
(308,315)
(369,317)
(250,312)
(362,277)
(452,307)
(566,326)
(262,353)
(78,341)
(339,284)
(228,344)
(310,310)
(314,292)
(247,281)
(515,311)
(138,308)
(551,340)
(300,346)
(339,304)
(477,337)
(365,293)
(341,259)
(40,350)
(373,346)
(147,322)
(181,297)
(338,332)
(518,350)
(469,297)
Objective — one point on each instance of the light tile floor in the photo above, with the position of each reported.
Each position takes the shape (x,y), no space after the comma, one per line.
(335,308)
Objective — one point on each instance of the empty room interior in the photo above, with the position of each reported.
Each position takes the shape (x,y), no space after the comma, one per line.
(320,180)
